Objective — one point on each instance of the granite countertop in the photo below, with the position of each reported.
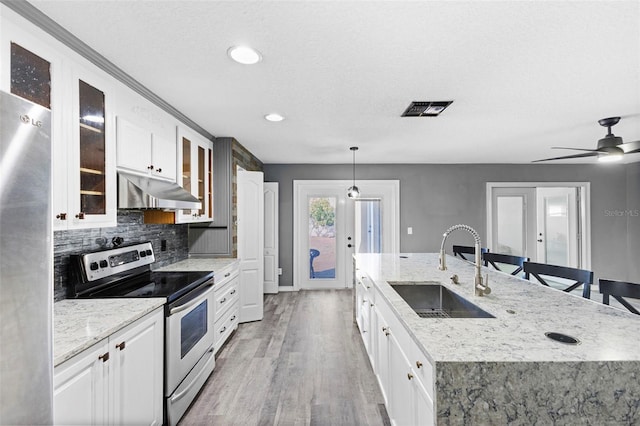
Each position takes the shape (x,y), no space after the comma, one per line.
(605,333)
(199,264)
(80,323)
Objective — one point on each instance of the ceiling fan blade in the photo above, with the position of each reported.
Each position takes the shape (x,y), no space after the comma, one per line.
(575,149)
(587,154)
(630,147)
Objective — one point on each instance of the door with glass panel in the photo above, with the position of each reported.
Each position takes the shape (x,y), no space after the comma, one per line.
(541,223)
(322,241)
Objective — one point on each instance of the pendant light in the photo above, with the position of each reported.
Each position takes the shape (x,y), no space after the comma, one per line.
(353,191)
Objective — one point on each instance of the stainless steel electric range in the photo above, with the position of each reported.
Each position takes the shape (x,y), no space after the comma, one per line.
(125,271)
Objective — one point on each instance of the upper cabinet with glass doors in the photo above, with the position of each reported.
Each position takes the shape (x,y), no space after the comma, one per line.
(195,159)
(82,137)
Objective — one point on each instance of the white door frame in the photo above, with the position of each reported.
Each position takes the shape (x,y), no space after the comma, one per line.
(387,190)
(271,248)
(585,206)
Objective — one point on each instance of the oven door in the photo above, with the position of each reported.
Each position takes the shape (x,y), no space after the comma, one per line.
(189,333)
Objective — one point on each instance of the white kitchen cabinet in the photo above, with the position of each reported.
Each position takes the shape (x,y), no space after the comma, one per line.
(404,373)
(144,151)
(81,388)
(84,184)
(195,159)
(83,149)
(117,381)
(227,308)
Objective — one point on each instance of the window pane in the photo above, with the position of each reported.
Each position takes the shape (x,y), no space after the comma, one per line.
(322,237)
(557,230)
(30,76)
(510,225)
(368,227)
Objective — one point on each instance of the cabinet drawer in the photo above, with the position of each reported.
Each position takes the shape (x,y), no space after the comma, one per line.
(226,324)
(422,366)
(225,275)
(226,297)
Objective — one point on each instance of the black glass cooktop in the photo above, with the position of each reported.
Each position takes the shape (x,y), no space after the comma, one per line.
(171,285)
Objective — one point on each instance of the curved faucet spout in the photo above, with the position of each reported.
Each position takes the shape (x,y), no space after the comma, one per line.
(480,288)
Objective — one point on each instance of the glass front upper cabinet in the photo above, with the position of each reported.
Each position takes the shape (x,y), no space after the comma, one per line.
(30,76)
(92,150)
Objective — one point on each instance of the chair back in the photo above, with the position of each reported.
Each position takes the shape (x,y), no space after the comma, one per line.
(313,253)
(581,277)
(462,250)
(506,259)
(620,289)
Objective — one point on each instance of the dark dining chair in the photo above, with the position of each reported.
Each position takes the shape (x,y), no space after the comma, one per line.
(620,289)
(581,277)
(495,259)
(313,253)
(462,250)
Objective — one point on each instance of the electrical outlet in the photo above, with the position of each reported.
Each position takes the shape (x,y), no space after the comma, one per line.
(410,231)
(163,245)
(279,271)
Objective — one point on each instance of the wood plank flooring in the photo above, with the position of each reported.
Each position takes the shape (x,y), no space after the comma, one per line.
(303,364)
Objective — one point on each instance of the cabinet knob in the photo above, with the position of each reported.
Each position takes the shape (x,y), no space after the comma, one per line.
(120,346)
(159,170)
(418,364)
(371,304)
(386,333)
(104,357)
(80,215)
(409,376)
(61,216)
(150,167)
(385,329)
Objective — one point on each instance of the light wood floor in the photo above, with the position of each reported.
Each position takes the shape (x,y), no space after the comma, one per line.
(303,364)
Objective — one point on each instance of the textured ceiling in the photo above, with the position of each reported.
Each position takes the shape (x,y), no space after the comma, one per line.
(524,76)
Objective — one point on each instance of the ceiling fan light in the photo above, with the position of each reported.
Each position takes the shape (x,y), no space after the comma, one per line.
(609,158)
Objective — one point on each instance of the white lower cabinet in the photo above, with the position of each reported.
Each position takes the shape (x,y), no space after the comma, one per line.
(404,373)
(117,381)
(227,310)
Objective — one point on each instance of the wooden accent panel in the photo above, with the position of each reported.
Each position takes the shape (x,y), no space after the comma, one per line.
(159,217)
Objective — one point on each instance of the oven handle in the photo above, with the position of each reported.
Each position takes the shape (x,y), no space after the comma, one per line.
(184,392)
(195,300)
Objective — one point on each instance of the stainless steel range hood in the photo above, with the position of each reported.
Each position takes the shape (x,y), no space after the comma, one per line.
(144,192)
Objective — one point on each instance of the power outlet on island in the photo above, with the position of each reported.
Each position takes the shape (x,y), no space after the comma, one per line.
(279,271)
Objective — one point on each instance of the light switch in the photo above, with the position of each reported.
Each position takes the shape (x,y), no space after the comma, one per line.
(410,230)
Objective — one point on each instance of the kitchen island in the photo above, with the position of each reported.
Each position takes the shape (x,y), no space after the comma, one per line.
(504,370)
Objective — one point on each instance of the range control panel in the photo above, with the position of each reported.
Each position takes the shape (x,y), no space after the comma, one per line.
(101,264)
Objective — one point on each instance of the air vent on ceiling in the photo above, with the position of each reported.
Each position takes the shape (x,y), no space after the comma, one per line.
(426,109)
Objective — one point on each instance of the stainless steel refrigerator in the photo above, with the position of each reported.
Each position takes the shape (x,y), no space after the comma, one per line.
(26,256)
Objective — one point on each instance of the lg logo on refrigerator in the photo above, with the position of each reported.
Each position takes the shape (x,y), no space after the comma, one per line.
(26,119)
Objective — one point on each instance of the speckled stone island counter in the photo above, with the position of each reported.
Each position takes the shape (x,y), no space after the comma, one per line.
(200,264)
(504,370)
(80,323)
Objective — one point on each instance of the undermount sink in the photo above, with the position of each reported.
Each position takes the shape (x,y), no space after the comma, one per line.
(431,300)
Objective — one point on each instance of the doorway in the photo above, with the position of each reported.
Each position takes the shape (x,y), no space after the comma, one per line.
(329,228)
(547,222)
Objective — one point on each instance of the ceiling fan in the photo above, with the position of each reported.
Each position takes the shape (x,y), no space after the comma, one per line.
(610,148)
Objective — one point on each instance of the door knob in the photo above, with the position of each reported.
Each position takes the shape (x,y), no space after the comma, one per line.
(540,240)
(349,245)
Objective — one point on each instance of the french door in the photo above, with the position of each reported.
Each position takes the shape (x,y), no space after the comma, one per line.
(546,222)
(329,228)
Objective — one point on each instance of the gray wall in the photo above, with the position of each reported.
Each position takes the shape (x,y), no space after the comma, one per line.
(436,196)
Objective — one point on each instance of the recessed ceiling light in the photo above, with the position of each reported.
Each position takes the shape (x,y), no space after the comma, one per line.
(244,55)
(273,117)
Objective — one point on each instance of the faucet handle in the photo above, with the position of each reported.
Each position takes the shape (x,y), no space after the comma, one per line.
(487,290)
(482,288)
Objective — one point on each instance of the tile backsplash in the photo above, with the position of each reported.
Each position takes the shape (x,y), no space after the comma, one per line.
(132,229)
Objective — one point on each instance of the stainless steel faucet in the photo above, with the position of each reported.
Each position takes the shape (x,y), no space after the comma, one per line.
(481,288)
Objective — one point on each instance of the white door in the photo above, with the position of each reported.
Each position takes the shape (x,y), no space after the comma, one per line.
(545,223)
(251,244)
(514,222)
(557,233)
(271,237)
(325,235)
(321,236)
